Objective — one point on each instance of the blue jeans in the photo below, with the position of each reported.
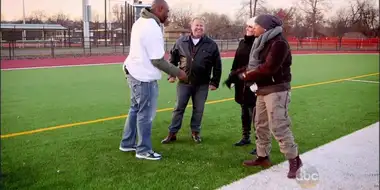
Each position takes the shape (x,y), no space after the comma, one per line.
(198,96)
(141,115)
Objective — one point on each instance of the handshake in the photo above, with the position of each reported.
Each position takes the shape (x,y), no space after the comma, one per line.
(181,76)
(233,77)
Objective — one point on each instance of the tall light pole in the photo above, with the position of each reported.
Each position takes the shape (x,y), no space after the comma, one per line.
(23,20)
(105,22)
(109,15)
(86,23)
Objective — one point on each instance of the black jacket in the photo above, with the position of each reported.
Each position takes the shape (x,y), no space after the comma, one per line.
(243,95)
(198,61)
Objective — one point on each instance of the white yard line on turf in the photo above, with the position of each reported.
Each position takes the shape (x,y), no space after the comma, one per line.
(60,66)
(364,81)
(350,162)
(101,64)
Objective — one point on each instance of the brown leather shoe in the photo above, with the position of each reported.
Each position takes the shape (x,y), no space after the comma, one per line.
(170,138)
(294,165)
(259,161)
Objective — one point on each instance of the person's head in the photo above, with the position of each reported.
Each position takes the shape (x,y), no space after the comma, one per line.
(249,27)
(262,23)
(160,8)
(197,27)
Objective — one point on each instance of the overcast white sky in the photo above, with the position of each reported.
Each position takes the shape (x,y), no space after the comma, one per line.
(12,9)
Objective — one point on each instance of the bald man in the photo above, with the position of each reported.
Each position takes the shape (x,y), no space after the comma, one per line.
(199,57)
(143,68)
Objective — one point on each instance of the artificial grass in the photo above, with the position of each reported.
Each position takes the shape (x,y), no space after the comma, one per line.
(87,157)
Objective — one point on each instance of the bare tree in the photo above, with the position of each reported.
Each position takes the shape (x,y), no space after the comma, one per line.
(36,17)
(117,11)
(95,16)
(218,26)
(252,7)
(313,10)
(249,8)
(286,15)
(340,23)
(59,18)
(365,17)
(181,16)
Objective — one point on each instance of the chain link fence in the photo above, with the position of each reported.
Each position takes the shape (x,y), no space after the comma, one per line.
(55,48)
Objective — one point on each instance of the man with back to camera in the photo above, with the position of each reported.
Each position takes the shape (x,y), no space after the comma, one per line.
(199,57)
(143,68)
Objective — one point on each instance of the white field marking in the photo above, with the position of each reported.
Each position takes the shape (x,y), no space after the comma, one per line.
(102,64)
(60,66)
(365,81)
(350,162)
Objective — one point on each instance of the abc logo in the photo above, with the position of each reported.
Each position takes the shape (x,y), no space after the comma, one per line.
(307,176)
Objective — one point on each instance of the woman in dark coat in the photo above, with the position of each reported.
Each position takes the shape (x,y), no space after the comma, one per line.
(243,94)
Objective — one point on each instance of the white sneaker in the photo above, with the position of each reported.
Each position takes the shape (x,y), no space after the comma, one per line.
(127,149)
(149,156)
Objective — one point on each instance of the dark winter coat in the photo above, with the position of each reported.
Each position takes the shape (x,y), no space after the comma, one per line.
(243,94)
(199,61)
(273,74)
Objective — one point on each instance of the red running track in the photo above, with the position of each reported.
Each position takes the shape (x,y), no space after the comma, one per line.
(59,62)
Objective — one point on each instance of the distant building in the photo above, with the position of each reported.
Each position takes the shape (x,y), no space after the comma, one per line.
(173,32)
(354,35)
(13,32)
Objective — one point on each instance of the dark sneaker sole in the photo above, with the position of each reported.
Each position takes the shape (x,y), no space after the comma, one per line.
(245,144)
(147,158)
(197,140)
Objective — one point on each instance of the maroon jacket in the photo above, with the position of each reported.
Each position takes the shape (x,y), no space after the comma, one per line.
(273,74)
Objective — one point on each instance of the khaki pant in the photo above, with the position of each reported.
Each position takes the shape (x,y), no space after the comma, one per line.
(272,117)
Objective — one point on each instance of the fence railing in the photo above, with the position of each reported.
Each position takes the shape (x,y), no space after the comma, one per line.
(58,48)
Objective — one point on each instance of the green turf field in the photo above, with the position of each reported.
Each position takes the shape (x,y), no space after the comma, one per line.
(87,156)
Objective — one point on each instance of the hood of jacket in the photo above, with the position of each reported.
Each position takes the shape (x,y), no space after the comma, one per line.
(146,13)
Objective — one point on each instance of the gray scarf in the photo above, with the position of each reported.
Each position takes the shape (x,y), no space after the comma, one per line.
(258,45)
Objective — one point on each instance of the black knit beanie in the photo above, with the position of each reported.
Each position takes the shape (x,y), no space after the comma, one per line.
(268,21)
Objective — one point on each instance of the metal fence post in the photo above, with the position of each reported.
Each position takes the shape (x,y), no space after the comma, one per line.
(69,37)
(52,47)
(90,47)
(13,49)
(10,50)
(122,28)
(64,38)
(318,44)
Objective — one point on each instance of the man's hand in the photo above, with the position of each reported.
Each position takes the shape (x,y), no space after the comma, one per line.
(212,87)
(172,79)
(182,75)
(242,76)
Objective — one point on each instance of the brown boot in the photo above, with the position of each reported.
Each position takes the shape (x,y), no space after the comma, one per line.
(294,165)
(259,161)
(170,138)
